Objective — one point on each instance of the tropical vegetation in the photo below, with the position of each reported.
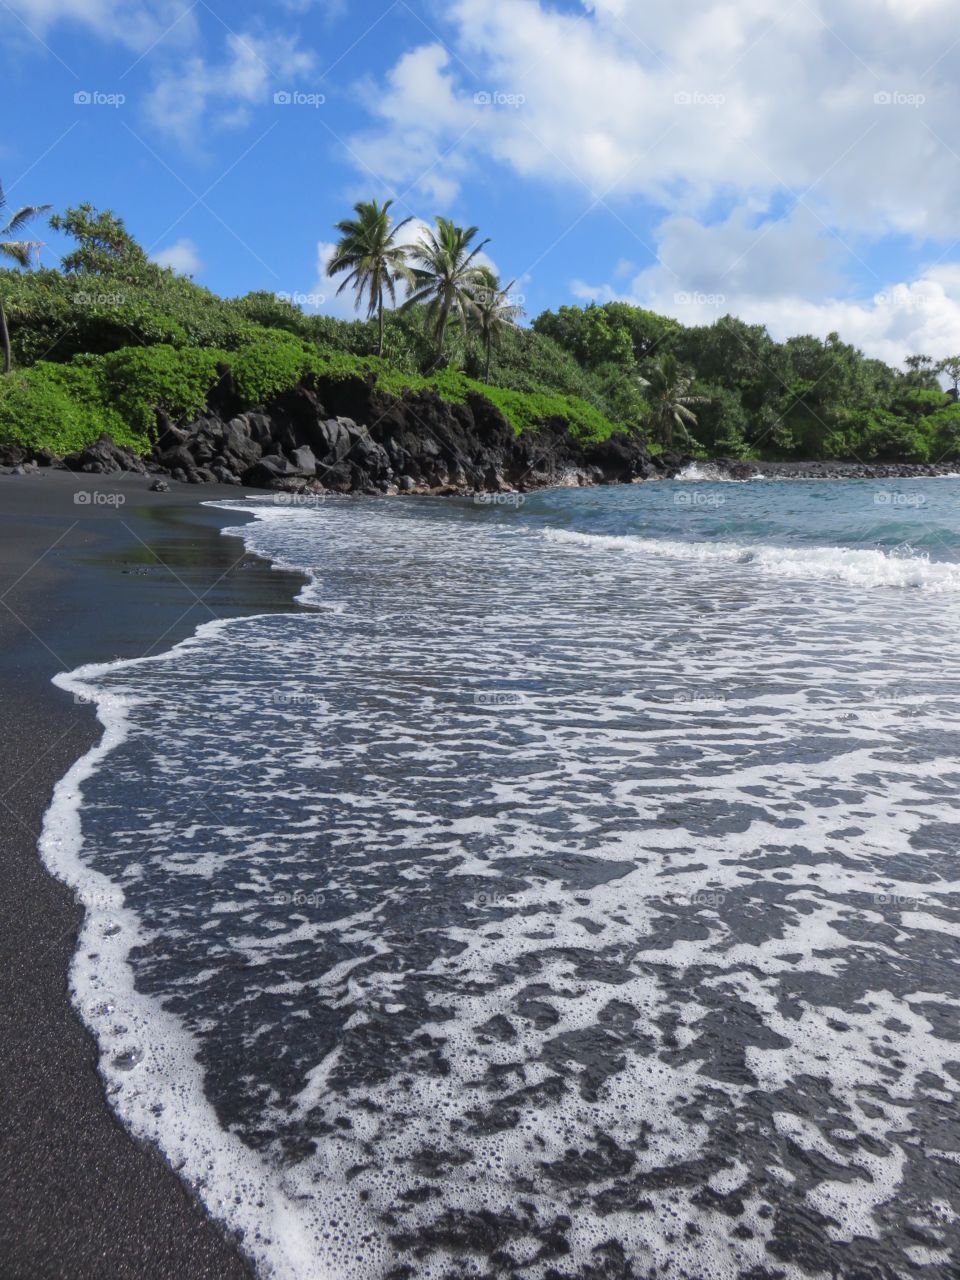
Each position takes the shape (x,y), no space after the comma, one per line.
(110,340)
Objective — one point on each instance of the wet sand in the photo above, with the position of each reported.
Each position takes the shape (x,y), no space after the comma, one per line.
(84,582)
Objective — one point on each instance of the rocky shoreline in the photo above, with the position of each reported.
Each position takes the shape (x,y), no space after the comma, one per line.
(344,436)
(734,469)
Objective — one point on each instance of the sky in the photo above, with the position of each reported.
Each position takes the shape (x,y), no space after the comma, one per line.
(792,162)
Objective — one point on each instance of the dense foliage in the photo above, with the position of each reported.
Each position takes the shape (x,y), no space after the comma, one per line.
(111,340)
(752,396)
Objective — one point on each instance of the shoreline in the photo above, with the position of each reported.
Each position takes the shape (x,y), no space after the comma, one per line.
(92,584)
(86,583)
(114,464)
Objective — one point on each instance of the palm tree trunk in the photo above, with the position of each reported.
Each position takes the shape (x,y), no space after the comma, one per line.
(486,368)
(5,338)
(380,314)
(441,330)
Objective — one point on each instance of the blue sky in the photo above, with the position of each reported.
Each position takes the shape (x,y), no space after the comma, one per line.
(791,162)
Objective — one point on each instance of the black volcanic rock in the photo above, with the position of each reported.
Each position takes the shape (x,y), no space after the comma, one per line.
(103,457)
(345,436)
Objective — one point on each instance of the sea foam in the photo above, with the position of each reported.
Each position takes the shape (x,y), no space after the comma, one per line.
(868,569)
(604,952)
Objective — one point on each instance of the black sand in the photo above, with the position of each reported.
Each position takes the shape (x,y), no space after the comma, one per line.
(81,583)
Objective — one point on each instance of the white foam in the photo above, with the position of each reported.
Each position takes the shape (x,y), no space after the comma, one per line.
(290,1229)
(567,754)
(855,567)
(711,473)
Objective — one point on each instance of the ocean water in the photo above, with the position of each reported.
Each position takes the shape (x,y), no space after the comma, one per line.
(571,891)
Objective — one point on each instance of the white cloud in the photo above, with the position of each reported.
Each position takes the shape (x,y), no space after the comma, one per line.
(137,25)
(419,103)
(785,273)
(781,97)
(182,257)
(904,319)
(340,305)
(746,107)
(222,94)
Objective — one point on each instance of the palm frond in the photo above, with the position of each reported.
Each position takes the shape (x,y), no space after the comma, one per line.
(22,217)
(20,251)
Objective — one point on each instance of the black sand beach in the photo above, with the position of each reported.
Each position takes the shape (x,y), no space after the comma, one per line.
(83,582)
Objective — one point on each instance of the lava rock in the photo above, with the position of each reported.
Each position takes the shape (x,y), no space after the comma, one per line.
(104,457)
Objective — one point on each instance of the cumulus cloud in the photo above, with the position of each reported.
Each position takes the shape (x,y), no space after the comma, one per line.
(340,305)
(724,116)
(904,319)
(181,256)
(638,97)
(222,94)
(418,106)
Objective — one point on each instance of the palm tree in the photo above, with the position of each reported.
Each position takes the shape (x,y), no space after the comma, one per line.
(369,251)
(446,277)
(20,251)
(493,313)
(668,390)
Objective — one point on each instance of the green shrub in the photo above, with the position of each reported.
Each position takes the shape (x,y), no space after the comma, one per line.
(138,381)
(262,369)
(59,407)
(271,311)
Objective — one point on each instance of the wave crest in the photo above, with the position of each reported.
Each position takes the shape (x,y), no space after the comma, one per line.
(868,569)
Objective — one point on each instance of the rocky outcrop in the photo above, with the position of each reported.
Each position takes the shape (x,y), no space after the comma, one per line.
(103,457)
(346,437)
(17,459)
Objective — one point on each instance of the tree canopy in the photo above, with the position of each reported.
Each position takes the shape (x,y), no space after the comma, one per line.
(724,388)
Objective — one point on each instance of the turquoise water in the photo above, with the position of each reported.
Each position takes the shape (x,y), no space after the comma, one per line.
(571,892)
(891,516)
